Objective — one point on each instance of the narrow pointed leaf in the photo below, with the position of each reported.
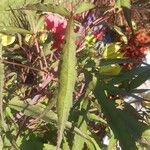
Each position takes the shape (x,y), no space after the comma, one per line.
(2,122)
(65,144)
(49,8)
(78,142)
(96,118)
(84,6)
(67,79)
(129,74)
(112,143)
(35,111)
(49,147)
(13,30)
(140,79)
(126,7)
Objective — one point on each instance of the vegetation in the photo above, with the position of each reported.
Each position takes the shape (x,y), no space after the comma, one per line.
(67,71)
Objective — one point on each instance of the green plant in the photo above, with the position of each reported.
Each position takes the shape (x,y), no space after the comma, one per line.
(62,86)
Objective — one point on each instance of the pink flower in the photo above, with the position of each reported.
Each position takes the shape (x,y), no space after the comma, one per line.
(57,25)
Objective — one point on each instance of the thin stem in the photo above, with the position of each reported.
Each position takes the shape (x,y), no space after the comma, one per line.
(24,66)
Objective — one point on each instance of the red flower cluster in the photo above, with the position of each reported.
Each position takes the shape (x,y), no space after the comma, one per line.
(136,47)
(142,39)
(57,25)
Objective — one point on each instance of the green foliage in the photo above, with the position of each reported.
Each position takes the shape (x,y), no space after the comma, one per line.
(72,97)
(126,7)
(13,30)
(84,6)
(67,79)
(49,8)
(114,119)
(78,142)
(2,121)
(36,110)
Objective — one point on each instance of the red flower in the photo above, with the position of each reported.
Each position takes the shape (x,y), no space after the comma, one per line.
(136,48)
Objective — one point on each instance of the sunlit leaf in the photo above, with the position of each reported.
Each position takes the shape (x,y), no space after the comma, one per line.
(7,39)
(83,6)
(110,70)
(13,30)
(49,117)
(112,143)
(49,147)
(2,78)
(126,7)
(96,118)
(65,144)
(67,79)
(49,8)
(40,24)
(111,51)
(78,142)
(146,135)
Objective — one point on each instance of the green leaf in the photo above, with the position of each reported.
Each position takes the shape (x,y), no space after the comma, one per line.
(32,143)
(118,3)
(111,70)
(49,147)
(127,15)
(123,36)
(126,3)
(140,79)
(146,135)
(96,146)
(112,143)
(1,143)
(112,51)
(129,75)
(2,78)
(96,118)
(6,39)
(13,30)
(114,119)
(83,6)
(65,144)
(49,8)
(123,3)
(104,62)
(67,79)
(134,127)
(35,111)
(40,24)
(126,7)
(78,142)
